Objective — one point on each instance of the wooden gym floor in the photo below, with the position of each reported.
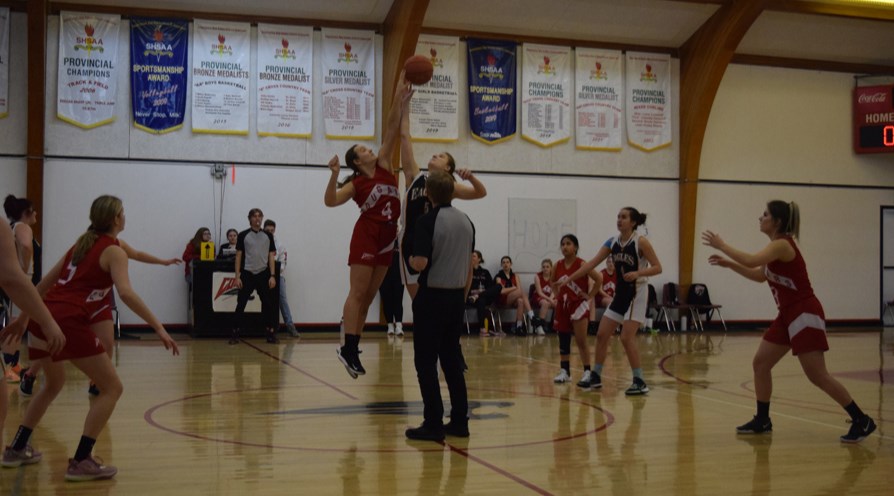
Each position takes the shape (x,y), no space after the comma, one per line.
(255,418)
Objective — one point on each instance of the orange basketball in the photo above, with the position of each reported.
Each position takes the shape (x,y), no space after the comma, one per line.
(418,69)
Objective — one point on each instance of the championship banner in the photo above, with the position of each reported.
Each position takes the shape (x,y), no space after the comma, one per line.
(158,57)
(435,105)
(225,291)
(491,89)
(4,61)
(648,100)
(285,80)
(220,77)
(349,85)
(599,107)
(88,68)
(546,101)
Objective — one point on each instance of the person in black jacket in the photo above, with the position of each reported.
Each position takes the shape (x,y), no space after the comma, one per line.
(483,293)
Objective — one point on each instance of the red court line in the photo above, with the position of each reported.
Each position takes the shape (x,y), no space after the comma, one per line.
(498,470)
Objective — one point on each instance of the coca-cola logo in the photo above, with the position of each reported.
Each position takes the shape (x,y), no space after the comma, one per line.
(872,98)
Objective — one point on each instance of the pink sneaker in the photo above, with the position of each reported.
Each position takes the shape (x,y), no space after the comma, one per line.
(88,469)
(13,458)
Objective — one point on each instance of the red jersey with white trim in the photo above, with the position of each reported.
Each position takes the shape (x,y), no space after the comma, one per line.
(85,284)
(788,280)
(544,285)
(377,196)
(576,289)
(608,282)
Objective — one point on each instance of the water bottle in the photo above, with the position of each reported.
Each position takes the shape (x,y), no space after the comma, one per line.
(683,324)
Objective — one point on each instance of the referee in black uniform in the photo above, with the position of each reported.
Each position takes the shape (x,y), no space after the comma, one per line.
(442,252)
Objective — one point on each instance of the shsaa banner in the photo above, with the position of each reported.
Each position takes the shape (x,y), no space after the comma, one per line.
(600,99)
(221,62)
(491,89)
(435,105)
(4,61)
(546,94)
(285,80)
(158,56)
(349,84)
(648,100)
(88,68)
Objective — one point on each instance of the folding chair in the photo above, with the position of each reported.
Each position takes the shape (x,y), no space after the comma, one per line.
(699,301)
(670,302)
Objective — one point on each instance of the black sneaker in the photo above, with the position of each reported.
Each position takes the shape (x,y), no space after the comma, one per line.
(595,380)
(344,356)
(93,390)
(425,433)
(26,387)
(456,429)
(234,338)
(757,426)
(638,387)
(860,429)
(271,338)
(358,367)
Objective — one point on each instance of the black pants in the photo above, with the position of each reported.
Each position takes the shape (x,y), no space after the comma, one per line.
(261,283)
(392,292)
(437,318)
(486,298)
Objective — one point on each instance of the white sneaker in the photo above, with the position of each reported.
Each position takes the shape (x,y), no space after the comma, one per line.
(390,329)
(562,378)
(399,329)
(539,331)
(585,380)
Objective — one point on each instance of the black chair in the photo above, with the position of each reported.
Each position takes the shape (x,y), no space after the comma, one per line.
(670,302)
(701,307)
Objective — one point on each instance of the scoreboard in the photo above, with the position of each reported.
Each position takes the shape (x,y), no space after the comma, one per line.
(874,119)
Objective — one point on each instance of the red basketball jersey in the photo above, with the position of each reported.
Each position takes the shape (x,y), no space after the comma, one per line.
(85,284)
(608,282)
(544,285)
(577,288)
(377,197)
(788,280)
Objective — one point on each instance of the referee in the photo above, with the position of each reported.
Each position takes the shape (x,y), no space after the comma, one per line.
(442,253)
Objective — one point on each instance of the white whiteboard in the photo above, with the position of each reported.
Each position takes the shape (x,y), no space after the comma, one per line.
(535,229)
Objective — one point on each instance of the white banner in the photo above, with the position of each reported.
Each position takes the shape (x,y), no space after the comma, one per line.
(221,61)
(224,294)
(88,68)
(4,61)
(435,106)
(546,94)
(349,84)
(599,104)
(648,100)
(285,80)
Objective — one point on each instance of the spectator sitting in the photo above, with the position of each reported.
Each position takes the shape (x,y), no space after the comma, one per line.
(483,291)
(228,250)
(543,294)
(193,251)
(512,296)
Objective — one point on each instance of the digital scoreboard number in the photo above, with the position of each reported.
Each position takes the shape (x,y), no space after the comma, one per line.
(874,119)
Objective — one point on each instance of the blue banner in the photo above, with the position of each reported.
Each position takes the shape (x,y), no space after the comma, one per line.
(491,89)
(158,57)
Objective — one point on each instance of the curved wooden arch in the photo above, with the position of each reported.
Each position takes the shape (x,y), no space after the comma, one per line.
(703,60)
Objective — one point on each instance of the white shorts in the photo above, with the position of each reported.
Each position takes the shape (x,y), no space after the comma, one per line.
(407,276)
(636,310)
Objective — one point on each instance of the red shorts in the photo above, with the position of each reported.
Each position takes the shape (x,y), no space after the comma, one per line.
(801,326)
(569,310)
(80,341)
(372,243)
(536,302)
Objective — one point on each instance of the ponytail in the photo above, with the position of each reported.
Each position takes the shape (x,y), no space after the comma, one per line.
(788,215)
(83,245)
(103,212)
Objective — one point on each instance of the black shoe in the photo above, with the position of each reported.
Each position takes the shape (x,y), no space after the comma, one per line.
(638,387)
(756,426)
(456,429)
(93,390)
(860,428)
(595,380)
(358,367)
(271,338)
(350,360)
(425,433)
(26,387)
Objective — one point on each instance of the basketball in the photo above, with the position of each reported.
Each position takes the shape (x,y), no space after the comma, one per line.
(418,69)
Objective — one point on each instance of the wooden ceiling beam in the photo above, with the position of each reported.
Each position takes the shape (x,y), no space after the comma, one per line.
(849,10)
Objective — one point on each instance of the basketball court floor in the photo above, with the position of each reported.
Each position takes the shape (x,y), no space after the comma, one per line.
(257,418)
